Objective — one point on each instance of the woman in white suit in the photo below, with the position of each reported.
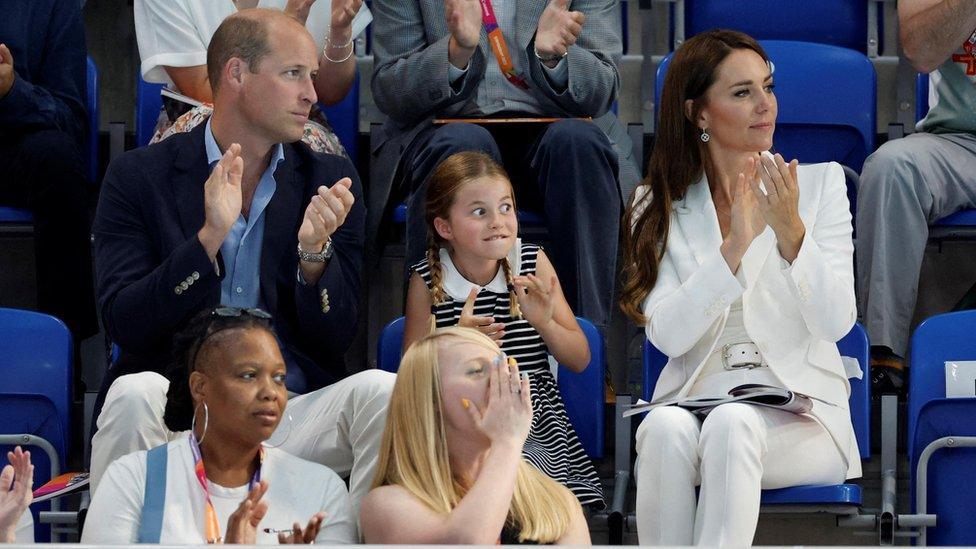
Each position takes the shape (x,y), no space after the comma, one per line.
(740,267)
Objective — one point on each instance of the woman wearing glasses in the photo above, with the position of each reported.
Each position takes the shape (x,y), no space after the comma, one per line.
(450,467)
(227,393)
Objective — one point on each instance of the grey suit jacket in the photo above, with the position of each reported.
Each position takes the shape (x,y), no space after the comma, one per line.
(411,85)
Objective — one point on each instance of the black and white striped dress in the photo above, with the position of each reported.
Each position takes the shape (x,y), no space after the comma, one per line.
(552,445)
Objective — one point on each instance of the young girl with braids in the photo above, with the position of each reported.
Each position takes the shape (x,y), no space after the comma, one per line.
(478,274)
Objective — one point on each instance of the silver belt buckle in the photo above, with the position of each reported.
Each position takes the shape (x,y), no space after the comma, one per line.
(741,356)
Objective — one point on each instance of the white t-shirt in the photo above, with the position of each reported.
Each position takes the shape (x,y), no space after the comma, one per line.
(24,531)
(297,489)
(175,33)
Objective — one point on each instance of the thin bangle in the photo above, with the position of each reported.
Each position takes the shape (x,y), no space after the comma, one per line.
(346,45)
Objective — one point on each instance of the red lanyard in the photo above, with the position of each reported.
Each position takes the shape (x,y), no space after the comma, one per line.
(498,45)
(212,525)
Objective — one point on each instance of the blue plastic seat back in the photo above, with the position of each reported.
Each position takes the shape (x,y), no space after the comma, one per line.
(148,103)
(389,348)
(921,96)
(91,82)
(837,22)
(827,102)
(36,359)
(582,393)
(951,471)
(941,338)
(344,119)
(15,215)
(34,414)
(856,345)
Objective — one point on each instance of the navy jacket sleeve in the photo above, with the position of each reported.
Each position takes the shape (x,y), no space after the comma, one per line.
(137,270)
(47,41)
(328,310)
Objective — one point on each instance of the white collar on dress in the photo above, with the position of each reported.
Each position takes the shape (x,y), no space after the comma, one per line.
(458,287)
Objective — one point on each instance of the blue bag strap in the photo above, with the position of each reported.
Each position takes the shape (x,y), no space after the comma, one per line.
(151,525)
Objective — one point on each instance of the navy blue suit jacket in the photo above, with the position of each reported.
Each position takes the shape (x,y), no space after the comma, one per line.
(149,211)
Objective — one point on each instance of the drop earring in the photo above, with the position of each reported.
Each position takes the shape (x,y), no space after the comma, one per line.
(704,136)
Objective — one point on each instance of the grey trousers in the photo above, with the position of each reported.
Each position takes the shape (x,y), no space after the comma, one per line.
(906,185)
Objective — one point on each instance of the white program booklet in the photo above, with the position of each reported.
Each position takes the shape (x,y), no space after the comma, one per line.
(751,393)
(960,378)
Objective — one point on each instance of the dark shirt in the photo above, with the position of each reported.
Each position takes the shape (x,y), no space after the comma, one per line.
(47,41)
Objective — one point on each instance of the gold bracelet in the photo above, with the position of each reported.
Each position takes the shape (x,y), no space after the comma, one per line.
(347,44)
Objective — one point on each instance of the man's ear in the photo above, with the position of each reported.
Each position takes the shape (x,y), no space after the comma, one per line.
(234,71)
(443,228)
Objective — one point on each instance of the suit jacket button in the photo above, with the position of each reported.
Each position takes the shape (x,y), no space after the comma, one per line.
(326,309)
(195,275)
(184,285)
(178,290)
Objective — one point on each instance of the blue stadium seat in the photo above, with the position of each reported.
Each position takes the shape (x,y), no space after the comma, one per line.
(841,23)
(827,102)
(35,391)
(921,96)
(582,393)
(91,82)
(344,119)
(932,416)
(840,498)
(148,103)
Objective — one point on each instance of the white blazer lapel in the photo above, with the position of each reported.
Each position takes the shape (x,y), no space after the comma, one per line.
(697,221)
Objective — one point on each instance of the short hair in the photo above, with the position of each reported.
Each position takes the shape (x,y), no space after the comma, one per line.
(241,35)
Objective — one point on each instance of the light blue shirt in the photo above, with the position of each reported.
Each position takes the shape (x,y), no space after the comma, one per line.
(495,93)
(241,249)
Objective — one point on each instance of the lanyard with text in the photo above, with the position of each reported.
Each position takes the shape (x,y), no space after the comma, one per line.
(498,45)
(212,525)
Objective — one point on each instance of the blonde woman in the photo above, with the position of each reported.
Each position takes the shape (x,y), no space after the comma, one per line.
(450,467)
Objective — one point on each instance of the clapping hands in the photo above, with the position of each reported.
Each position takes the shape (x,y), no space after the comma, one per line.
(558,29)
(16,482)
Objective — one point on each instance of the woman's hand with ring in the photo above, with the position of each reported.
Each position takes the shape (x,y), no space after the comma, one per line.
(507,416)
(780,203)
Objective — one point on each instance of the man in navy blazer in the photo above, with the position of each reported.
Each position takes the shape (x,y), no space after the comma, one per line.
(238,212)
(153,268)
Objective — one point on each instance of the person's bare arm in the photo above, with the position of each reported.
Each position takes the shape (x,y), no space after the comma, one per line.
(578,533)
(930,30)
(417,321)
(192,82)
(337,63)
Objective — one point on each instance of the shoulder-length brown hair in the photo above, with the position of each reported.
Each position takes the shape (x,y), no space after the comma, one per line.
(677,161)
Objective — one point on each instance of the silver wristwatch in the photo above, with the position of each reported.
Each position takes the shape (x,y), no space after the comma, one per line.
(320,257)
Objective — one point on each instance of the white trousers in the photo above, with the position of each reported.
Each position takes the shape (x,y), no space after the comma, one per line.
(737,451)
(339,426)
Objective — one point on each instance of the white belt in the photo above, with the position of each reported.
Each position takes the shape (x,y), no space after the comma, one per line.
(742,356)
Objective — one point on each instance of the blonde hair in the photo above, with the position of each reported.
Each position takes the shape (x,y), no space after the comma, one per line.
(442,188)
(414,455)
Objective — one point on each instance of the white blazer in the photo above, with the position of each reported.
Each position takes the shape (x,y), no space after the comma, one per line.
(794,313)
